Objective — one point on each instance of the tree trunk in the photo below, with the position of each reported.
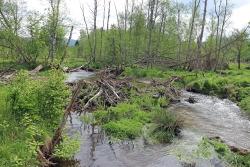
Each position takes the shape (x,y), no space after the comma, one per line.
(151,28)
(198,63)
(238,58)
(94,31)
(195,8)
(103,22)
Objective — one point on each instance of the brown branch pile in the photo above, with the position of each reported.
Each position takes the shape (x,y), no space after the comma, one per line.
(169,90)
(102,92)
(87,95)
(7,75)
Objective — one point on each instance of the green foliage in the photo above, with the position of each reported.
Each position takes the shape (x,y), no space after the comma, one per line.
(164,125)
(67,148)
(45,99)
(126,120)
(143,73)
(30,111)
(233,159)
(53,96)
(205,150)
(124,128)
(245,104)
(123,110)
(233,83)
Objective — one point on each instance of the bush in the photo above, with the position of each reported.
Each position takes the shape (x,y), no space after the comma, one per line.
(67,148)
(43,98)
(52,98)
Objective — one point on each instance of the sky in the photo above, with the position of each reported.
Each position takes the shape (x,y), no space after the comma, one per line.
(239,18)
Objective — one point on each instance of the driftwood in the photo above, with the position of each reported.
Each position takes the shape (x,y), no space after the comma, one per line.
(36,70)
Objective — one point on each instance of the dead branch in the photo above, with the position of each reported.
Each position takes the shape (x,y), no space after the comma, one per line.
(87,105)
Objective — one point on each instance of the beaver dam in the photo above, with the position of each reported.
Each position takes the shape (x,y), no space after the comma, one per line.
(203,118)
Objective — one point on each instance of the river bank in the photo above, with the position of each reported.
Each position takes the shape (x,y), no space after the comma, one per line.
(207,117)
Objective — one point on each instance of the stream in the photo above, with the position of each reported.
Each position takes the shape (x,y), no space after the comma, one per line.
(209,116)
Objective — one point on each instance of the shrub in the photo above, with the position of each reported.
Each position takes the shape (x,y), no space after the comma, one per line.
(23,96)
(67,148)
(52,97)
(44,98)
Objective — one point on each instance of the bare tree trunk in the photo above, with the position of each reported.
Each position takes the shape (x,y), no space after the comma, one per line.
(218,14)
(195,8)
(125,29)
(161,29)
(94,31)
(130,29)
(55,7)
(178,56)
(87,30)
(199,42)
(151,27)
(120,36)
(108,16)
(238,57)
(103,22)
(67,45)
(222,31)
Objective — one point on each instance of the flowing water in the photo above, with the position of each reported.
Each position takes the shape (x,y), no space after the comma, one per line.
(78,75)
(210,116)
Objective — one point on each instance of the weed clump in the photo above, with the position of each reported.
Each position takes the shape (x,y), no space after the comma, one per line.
(124,128)
(230,157)
(126,120)
(165,126)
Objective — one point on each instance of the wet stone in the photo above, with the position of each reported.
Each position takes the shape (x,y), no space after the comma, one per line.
(191,100)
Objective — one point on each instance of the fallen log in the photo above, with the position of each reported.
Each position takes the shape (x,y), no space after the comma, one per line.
(36,70)
(45,151)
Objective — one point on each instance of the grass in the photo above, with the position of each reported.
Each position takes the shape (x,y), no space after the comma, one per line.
(29,113)
(225,154)
(13,146)
(233,84)
(128,120)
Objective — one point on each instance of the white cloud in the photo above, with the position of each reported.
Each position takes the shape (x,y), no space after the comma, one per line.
(240,16)
(73,9)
